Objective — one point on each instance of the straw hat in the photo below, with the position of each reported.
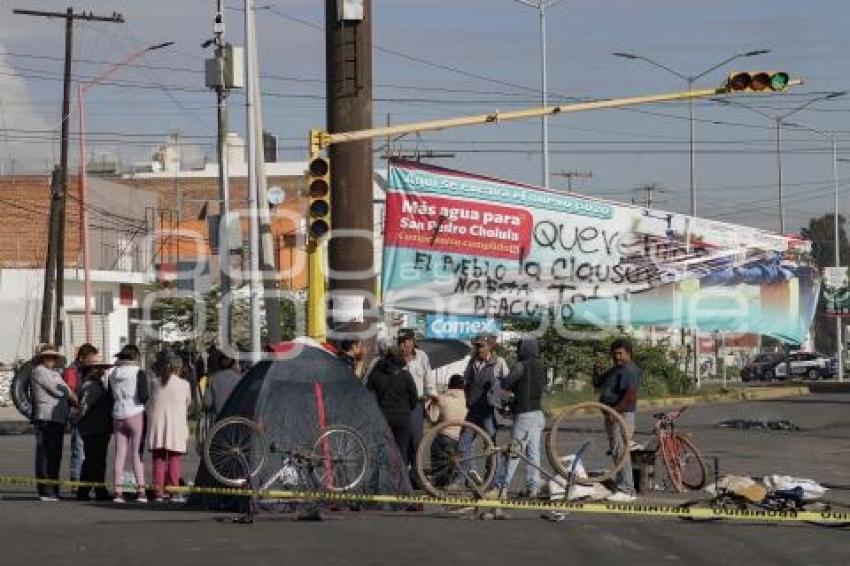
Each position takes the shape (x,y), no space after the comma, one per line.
(49,351)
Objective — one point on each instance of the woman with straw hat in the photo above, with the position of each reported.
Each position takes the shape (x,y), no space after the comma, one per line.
(52,401)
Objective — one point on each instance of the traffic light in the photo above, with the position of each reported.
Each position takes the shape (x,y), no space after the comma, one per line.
(319,210)
(758,81)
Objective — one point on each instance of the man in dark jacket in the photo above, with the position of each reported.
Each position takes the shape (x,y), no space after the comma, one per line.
(482,384)
(618,388)
(396,395)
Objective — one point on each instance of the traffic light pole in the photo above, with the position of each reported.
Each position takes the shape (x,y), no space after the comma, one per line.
(347,204)
(327,139)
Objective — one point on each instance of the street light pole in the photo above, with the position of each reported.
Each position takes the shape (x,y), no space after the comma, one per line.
(541,6)
(82,88)
(779,121)
(832,136)
(692,151)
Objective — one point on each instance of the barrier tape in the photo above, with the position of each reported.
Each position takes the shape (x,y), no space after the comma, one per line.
(825,517)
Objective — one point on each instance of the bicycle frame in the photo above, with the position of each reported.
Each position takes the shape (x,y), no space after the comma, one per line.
(509,450)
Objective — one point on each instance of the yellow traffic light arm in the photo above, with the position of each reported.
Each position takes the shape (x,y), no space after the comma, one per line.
(320,139)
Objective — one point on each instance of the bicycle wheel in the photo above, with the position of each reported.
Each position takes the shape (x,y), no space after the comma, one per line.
(694,472)
(670,449)
(340,459)
(235,451)
(591,427)
(461,468)
(205,423)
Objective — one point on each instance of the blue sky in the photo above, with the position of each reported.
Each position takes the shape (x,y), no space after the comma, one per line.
(493,39)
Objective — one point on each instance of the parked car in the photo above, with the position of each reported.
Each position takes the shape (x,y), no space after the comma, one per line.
(761,367)
(810,365)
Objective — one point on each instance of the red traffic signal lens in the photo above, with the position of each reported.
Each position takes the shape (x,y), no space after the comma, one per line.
(319,167)
(319,188)
(739,81)
(318,228)
(319,208)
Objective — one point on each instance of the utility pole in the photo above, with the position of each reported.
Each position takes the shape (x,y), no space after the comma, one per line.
(222,75)
(570,175)
(54,274)
(348,50)
(648,190)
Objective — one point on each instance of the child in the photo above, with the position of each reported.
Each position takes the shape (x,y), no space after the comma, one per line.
(452,404)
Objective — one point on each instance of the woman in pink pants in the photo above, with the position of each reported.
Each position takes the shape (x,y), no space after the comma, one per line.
(168,426)
(128,385)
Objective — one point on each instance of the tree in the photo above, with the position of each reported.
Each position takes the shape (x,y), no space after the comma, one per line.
(178,313)
(821,231)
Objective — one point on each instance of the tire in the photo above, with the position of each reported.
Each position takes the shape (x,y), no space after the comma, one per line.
(444,476)
(574,431)
(669,455)
(812,374)
(694,471)
(341,459)
(235,448)
(21,390)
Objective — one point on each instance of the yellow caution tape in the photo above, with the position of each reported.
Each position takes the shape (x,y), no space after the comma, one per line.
(825,517)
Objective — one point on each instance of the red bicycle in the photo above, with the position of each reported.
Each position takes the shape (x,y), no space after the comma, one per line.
(684,464)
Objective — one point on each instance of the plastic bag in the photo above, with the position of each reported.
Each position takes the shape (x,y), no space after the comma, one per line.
(812,490)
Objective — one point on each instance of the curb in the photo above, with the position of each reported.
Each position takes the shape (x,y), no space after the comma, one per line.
(759,394)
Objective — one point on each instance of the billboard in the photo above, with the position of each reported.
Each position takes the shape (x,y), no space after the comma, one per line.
(836,291)
(462,244)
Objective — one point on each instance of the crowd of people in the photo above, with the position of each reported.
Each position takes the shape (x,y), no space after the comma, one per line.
(138,410)
(403,383)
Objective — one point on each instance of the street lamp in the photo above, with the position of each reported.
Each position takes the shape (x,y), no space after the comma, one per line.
(82,88)
(690,79)
(541,6)
(778,120)
(833,139)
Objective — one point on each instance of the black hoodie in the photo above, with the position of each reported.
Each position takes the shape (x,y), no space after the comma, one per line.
(394,390)
(527,379)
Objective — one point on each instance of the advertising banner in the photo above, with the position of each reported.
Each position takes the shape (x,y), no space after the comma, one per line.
(461,244)
(459,327)
(836,291)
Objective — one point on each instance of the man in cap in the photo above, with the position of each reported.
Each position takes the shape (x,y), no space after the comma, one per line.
(482,383)
(52,399)
(73,376)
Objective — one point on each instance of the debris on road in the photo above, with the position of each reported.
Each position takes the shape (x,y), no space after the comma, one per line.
(755,424)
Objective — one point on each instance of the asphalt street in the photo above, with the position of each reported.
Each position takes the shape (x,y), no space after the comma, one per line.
(96,533)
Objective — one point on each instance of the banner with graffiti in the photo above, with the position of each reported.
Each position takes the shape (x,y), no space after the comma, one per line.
(461,244)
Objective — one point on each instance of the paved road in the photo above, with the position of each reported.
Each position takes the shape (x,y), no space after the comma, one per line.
(40,533)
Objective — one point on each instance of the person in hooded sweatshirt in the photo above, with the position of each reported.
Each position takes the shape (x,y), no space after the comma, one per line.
(526,381)
(128,385)
(396,394)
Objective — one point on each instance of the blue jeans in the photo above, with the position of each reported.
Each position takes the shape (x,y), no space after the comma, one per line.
(624,478)
(77,454)
(485,420)
(526,432)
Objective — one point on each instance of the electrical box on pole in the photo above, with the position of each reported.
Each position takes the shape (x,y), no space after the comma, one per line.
(228,72)
(349,10)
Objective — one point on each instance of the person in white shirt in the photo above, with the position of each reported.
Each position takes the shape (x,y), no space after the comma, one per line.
(419,367)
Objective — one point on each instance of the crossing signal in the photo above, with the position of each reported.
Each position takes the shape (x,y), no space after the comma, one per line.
(319,194)
(758,81)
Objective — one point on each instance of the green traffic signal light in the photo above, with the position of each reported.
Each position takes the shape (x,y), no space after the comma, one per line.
(779,81)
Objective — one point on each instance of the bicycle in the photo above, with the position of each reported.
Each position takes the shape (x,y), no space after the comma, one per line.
(682,460)
(575,436)
(236,450)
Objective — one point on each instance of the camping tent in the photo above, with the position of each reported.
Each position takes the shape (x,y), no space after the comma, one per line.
(304,388)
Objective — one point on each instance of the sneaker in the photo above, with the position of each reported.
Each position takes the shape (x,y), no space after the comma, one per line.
(50,498)
(621,497)
(119,499)
(142,498)
(178,498)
